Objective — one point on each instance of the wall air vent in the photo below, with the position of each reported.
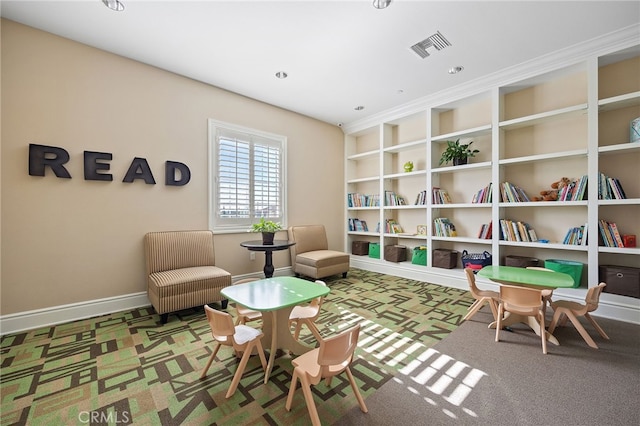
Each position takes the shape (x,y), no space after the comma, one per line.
(437,40)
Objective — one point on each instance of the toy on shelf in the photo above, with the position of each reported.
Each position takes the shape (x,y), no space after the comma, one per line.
(556,188)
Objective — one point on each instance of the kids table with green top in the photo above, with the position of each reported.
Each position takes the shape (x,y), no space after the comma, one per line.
(275,298)
(534,278)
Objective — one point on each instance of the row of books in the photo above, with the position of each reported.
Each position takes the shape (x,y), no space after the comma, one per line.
(483,196)
(392,227)
(421,199)
(610,235)
(393,199)
(486,231)
(444,228)
(356,224)
(574,191)
(576,236)
(355,199)
(610,188)
(512,194)
(440,196)
(517,231)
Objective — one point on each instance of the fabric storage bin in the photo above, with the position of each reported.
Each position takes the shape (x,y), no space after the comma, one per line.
(622,280)
(395,253)
(419,256)
(475,261)
(374,250)
(445,258)
(520,261)
(360,247)
(574,269)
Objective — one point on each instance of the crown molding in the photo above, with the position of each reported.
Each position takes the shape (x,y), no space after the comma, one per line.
(609,43)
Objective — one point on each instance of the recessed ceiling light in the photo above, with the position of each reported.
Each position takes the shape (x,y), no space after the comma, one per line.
(381,4)
(455,70)
(359,108)
(114,5)
(282,75)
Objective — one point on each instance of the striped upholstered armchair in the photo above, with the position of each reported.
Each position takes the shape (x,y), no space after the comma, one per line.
(181,271)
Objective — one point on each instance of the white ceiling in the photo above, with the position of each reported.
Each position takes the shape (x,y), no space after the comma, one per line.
(338,54)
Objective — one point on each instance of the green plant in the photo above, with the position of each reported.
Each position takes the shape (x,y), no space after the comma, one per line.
(265,226)
(457,151)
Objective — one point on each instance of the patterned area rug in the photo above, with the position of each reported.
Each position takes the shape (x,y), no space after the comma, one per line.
(125,368)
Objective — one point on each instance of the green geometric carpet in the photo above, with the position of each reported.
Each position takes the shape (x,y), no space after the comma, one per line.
(126,368)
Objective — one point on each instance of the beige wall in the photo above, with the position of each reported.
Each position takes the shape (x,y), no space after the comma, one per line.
(70,240)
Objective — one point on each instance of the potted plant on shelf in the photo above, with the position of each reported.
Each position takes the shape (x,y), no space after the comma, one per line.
(268,229)
(457,153)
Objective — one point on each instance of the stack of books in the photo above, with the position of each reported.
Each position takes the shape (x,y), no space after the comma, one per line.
(576,236)
(421,199)
(610,188)
(393,227)
(355,199)
(512,194)
(486,231)
(444,228)
(393,199)
(483,196)
(440,196)
(575,191)
(610,234)
(356,224)
(517,231)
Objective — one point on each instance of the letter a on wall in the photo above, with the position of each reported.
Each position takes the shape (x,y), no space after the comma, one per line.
(139,169)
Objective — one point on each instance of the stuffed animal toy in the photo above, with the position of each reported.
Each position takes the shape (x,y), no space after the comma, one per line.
(552,194)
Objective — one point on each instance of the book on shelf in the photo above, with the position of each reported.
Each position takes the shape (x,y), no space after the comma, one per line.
(440,196)
(486,231)
(444,228)
(483,196)
(358,225)
(610,234)
(393,199)
(512,194)
(517,231)
(576,236)
(610,188)
(578,190)
(355,199)
(421,199)
(393,227)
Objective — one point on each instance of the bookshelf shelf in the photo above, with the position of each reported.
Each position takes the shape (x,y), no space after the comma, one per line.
(464,167)
(468,133)
(544,117)
(556,156)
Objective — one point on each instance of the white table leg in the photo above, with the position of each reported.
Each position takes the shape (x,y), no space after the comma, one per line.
(275,326)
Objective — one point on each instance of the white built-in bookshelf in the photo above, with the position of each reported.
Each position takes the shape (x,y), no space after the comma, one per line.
(572,121)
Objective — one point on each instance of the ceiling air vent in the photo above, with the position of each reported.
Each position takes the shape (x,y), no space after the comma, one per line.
(437,40)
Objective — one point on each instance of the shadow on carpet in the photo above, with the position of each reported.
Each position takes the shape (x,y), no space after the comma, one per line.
(468,379)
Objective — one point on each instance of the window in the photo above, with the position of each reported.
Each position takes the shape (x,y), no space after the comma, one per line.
(247,177)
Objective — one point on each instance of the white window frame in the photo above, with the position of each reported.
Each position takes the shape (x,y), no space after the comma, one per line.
(235,225)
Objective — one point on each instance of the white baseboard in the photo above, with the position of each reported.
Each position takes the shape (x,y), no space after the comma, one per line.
(611,306)
(29,320)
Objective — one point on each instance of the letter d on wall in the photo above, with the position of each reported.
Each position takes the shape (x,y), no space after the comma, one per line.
(170,169)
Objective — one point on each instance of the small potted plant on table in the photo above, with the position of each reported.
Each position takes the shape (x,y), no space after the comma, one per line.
(457,153)
(268,229)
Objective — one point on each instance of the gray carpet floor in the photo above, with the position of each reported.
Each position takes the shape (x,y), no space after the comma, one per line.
(470,379)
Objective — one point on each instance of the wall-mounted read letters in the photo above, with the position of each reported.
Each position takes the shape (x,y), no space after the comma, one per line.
(96,166)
